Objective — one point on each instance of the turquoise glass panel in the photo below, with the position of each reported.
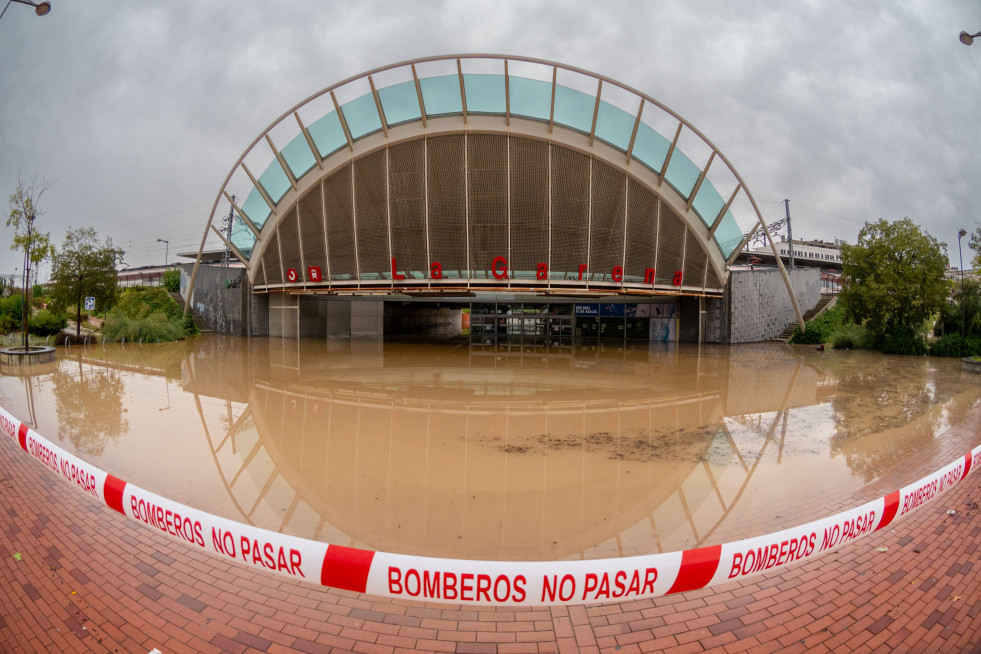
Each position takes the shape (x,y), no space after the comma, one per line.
(485,94)
(242,237)
(650,148)
(708,203)
(441,95)
(328,134)
(255,208)
(275,181)
(298,156)
(400,103)
(728,235)
(361,115)
(682,173)
(530,98)
(574,109)
(614,125)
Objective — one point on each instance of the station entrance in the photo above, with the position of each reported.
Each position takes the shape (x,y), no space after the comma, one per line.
(533,326)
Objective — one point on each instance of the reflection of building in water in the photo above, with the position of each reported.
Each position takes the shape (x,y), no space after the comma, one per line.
(451,453)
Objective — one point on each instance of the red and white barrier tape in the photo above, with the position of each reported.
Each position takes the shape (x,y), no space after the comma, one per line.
(503,583)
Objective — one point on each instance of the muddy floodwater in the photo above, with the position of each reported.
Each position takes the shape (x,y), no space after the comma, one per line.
(522,454)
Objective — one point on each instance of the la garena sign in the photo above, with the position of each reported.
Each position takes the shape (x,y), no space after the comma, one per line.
(499,269)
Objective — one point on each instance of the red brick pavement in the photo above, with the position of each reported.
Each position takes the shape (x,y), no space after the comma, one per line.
(90,580)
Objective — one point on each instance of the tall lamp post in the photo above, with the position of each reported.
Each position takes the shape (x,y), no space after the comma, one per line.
(166,249)
(40,8)
(968,38)
(960,254)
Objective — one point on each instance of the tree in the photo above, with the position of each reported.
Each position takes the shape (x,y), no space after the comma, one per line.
(24,208)
(172,280)
(895,278)
(975,244)
(83,268)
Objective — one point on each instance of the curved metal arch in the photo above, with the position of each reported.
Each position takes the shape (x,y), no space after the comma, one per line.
(601,80)
(602,153)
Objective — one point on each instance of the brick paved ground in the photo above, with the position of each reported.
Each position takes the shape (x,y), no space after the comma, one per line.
(89,580)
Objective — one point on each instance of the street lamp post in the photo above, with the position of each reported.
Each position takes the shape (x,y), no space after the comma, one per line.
(166,250)
(967,38)
(40,8)
(960,254)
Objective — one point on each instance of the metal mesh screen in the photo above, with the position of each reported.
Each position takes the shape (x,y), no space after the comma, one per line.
(289,236)
(340,225)
(570,212)
(529,206)
(670,244)
(713,280)
(487,178)
(371,216)
(642,238)
(606,230)
(311,210)
(447,204)
(694,263)
(407,189)
(274,270)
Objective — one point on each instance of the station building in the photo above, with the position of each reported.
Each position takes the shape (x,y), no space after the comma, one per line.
(522,200)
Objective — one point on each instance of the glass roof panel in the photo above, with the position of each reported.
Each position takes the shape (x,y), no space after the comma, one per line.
(400,103)
(650,148)
(728,235)
(485,94)
(574,109)
(328,134)
(441,95)
(361,115)
(530,98)
(614,125)
(682,173)
(298,156)
(242,237)
(708,203)
(275,181)
(255,208)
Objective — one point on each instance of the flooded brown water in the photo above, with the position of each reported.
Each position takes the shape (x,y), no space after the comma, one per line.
(444,450)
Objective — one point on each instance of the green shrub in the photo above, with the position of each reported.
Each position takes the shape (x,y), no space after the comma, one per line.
(149,314)
(189,327)
(820,329)
(851,337)
(172,280)
(11,311)
(9,324)
(903,340)
(955,345)
(46,323)
(139,303)
(150,329)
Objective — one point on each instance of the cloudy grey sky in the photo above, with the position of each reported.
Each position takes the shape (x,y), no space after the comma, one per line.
(136,111)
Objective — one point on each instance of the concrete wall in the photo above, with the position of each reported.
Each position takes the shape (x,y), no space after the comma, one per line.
(222,296)
(367,319)
(758,306)
(284,316)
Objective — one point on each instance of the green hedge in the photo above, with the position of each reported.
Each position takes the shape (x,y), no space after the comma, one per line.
(955,345)
(46,323)
(820,329)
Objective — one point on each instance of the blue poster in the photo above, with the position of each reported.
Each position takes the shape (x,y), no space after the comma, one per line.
(610,309)
(587,310)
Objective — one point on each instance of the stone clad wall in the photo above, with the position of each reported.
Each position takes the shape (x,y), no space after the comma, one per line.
(221,296)
(759,307)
